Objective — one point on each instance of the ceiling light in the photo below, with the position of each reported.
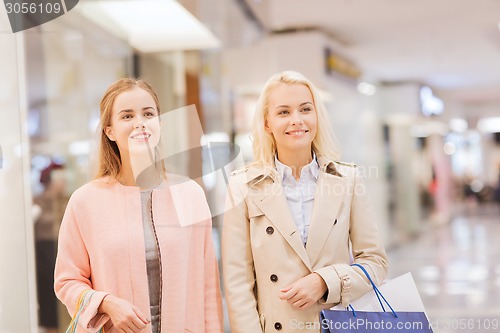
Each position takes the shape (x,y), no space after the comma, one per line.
(449,148)
(150,25)
(431,105)
(366,88)
(78,148)
(429,128)
(489,125)
(458,125)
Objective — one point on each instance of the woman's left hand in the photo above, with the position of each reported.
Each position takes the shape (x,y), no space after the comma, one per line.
(304,292)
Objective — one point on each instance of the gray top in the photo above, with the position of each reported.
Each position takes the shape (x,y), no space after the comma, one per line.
(152,259)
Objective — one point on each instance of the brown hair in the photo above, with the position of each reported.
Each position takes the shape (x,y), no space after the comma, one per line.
(109,154)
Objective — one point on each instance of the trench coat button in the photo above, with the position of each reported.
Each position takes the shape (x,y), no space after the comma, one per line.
(274,278)
(277,326)
(269,230)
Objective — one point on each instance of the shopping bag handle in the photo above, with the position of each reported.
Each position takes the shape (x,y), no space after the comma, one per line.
(81,304)
(378,293)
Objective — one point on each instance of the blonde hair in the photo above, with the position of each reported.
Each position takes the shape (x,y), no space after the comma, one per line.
(264,145)
(109,154)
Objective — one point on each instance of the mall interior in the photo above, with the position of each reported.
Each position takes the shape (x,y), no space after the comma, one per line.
(412,90)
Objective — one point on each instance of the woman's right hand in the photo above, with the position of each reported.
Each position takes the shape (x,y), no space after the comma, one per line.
(125,317)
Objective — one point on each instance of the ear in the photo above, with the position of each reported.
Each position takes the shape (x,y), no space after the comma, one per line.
(109,133)
(266,127)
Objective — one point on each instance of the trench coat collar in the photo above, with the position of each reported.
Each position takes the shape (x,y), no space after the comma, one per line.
(255,174)
(271,200)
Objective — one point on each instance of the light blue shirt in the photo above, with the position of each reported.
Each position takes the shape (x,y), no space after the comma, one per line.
(300,194)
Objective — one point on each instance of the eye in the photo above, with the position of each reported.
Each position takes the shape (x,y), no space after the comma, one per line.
(150,114)
(283,112)
(307,109)
(127,116)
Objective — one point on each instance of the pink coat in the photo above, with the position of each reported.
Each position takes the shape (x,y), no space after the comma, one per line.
(101,247)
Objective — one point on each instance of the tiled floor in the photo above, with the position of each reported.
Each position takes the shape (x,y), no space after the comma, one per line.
(456,268)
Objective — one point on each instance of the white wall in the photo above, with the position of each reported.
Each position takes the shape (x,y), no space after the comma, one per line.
(17,284)
(399,106)
(254,64)
(358,124)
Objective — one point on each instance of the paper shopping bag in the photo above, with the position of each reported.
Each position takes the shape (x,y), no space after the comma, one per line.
(405,311)
(401,293)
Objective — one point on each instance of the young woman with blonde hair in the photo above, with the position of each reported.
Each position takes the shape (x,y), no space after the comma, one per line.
(132,255)
(297,219)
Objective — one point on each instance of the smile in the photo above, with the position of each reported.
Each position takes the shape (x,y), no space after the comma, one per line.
(141,136)
(297,133)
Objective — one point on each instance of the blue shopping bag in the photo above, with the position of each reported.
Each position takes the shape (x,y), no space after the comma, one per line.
(350,320)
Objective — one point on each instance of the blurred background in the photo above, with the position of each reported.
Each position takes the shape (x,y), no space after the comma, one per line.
(412,89)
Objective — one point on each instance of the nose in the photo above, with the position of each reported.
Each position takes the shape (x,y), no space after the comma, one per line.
(140,124)
(296,119)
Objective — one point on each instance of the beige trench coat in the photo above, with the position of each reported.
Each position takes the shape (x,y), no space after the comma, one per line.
(262,250)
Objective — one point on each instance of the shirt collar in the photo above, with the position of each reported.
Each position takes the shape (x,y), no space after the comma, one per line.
(286,171)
